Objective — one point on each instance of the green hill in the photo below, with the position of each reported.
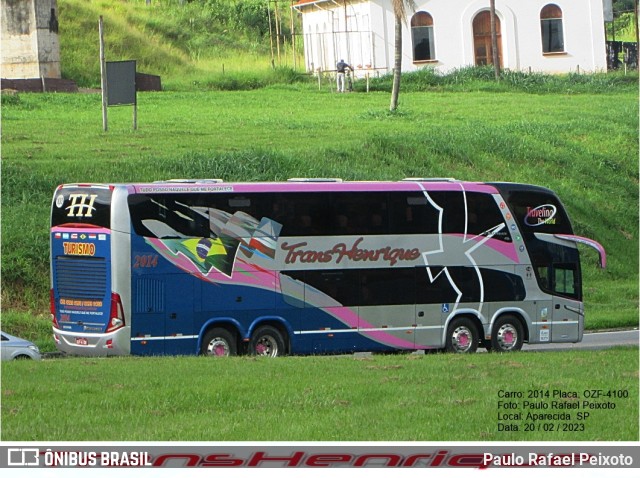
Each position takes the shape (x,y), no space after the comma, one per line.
(179,40)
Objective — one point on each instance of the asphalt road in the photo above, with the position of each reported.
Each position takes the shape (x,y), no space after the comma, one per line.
(590,341)
(593,341)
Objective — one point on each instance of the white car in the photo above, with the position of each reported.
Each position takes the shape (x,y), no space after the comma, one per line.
(15,348)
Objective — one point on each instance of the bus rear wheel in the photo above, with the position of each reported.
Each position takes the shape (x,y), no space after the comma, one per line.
(267,341)
(507,335)
(462,336)
(219,342)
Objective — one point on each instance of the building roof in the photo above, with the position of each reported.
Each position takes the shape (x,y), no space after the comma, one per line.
(300,3)
(305,3)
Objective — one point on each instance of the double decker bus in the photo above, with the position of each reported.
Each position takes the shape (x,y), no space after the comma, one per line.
(312,267)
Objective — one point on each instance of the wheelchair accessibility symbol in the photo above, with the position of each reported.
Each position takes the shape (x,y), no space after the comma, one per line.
(445,308)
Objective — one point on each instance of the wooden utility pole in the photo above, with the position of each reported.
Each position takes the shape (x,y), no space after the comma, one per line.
(278,20)
(635,12)
(273,64)
(494,39)
(293,36)
(103,74)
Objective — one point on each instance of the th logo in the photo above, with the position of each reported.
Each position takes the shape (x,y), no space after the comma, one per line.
(81,205)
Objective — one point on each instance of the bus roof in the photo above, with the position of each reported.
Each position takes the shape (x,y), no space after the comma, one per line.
(308,185)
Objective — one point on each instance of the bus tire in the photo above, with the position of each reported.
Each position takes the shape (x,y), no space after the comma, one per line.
(219,342)
(507,334)
(462,336)
(267,341)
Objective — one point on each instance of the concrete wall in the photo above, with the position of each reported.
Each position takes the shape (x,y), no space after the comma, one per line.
(29,38)
(362,32)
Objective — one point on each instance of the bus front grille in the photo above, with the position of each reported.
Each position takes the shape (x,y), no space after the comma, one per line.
(81,278)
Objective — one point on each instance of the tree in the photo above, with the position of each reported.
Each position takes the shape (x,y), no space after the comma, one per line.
(621,6)
(399,12)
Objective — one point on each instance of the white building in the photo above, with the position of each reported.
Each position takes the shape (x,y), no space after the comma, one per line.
(552,36)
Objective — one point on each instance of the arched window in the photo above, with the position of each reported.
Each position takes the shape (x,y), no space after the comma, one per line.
(422,37)
(551,25)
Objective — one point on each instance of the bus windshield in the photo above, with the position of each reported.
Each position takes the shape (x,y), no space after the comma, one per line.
(541,216)
(79,205)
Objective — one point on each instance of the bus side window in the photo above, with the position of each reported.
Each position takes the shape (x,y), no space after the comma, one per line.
(304,226)
(408,213)
(543,277)
(337,284)
(377,223)
(387,286)
(484,214)
(564,279)
(343,224)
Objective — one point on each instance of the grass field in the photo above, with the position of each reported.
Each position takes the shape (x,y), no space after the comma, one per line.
(437,397)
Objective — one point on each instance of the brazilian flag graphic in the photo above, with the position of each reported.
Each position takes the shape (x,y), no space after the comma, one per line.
(207,253)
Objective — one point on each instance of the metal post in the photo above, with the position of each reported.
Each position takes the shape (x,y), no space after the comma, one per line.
(103,74)
(135,102)
(270,33)
(635,13)
(494,39)
(293,36)
(278,30)
(135,115)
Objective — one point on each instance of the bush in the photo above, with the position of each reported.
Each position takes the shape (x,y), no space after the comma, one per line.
(482,78)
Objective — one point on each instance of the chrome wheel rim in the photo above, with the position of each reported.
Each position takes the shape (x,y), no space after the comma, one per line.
(462,339)
(267,346)
(218,347)
(507,337)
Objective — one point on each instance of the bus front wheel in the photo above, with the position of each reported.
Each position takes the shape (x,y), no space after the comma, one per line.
(267,341)
(219,342)
(507,335)
(462,336)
